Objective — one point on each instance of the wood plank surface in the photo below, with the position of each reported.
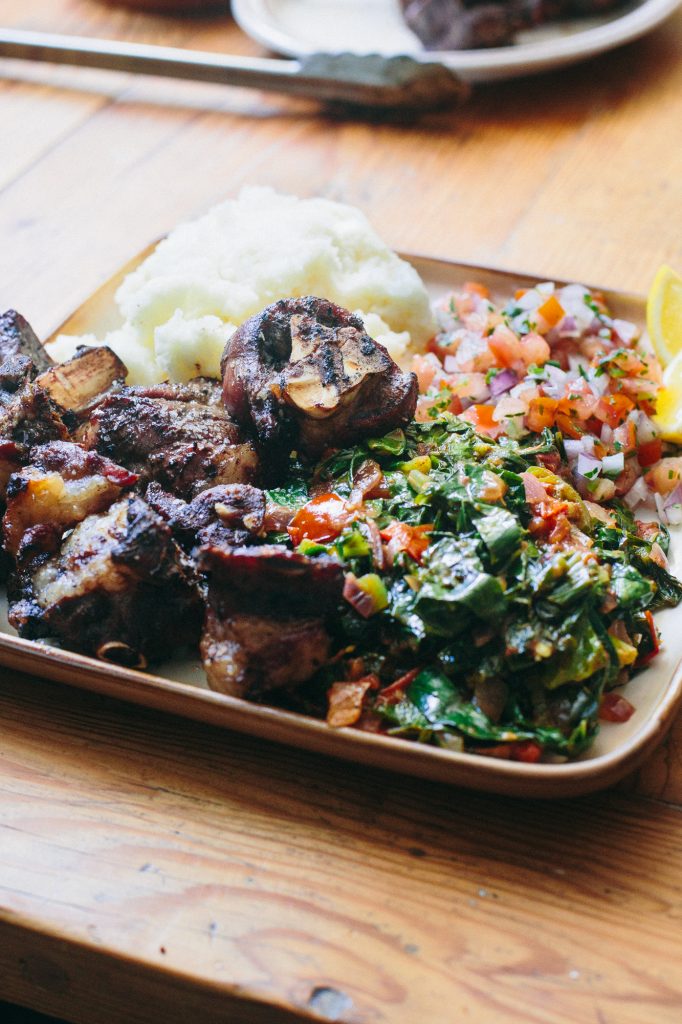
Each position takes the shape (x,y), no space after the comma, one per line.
(155,869)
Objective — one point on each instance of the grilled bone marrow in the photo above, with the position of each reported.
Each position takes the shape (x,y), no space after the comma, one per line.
(116,588)
(304,374)
(178,435)
(265,622)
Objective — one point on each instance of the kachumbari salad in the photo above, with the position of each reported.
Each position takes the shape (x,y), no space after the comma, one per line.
(499,583)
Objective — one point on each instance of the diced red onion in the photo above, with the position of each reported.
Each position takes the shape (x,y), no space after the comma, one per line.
(660,507)
(600,385)
(613,464)
(646,428)
(638,493)
(573,449)
(625,330)
(588,466)
(502,382)
(674,515)
(606,434)
(674,498)
(556,381)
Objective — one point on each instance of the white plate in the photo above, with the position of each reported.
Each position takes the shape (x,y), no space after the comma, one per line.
(300,27)
(180,685)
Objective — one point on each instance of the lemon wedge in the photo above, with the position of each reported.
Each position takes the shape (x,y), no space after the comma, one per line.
(664,314)
(664,324)
(668,416)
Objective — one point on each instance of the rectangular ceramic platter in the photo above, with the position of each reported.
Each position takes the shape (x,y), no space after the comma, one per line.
(180,685)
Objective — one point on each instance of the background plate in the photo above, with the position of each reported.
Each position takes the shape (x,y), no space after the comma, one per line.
(180,687)
(298,27)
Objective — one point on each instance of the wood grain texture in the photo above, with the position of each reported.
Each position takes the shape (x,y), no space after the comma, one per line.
(413,901)
(155,869)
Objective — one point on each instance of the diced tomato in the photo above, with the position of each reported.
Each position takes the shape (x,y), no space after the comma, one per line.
(613,409)
(396,691)
(528,751)
(650,452)
(551,311)
(568,426)
(346,700)
(442,349)
(505,346)
(541,413)
(615,708)
(665,476)
(477,289)
(534,349)
(481,417)
(322,519)
(403,537)
(655,642)
(426,367)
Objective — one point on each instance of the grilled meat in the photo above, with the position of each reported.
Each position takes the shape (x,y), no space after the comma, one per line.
(230,515)
(303,374)
(117,588)
(28,415)
(467,24)
(17,338)
(177,435)
(62,484)
(265,621)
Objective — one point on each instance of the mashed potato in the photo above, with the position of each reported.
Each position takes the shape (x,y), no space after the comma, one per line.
(182,303)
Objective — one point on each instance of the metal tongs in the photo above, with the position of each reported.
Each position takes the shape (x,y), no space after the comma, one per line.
(365,81)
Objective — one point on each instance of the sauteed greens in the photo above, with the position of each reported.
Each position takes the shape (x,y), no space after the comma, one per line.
(487,606)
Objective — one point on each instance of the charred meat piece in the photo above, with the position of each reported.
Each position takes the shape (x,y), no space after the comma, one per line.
(303,374)
(117,588)
(177,435)
(17,338)
(62,484)
(469,24)
(265,622)
(27,413)
(231,515)
(28,416)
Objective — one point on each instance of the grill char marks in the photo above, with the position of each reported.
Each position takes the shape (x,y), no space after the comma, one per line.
(117,588)
(265,621)
(62,485)
(229,515)
(17,338)
(303,374)
(177,435)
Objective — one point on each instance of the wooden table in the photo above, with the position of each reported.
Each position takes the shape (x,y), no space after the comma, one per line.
(152,869)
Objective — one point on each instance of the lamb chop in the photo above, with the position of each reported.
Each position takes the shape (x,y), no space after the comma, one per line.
(116,587)
(303,374)
(178,435)
(265,622)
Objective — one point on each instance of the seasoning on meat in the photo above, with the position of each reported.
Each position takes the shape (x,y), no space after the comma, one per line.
(178,435)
